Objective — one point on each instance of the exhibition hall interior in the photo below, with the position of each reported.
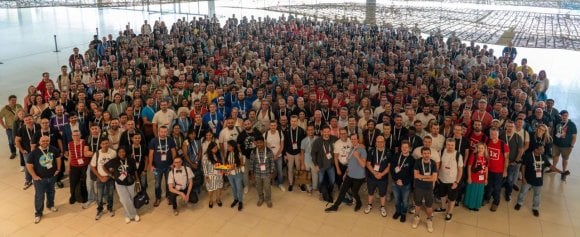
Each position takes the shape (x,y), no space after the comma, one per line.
(480,66)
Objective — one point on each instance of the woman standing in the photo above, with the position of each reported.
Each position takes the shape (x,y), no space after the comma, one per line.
(191,149)
(124,171)
(476,177)
(541,136)
(214,181)
(236,160)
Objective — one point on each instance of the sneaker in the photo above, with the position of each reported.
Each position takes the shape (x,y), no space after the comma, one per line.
(26,185)
(536,213)
(331,209)
(368,209)
(59,184)
(127,220)
(260,202)
(429,225)
(416,222)
(412,209)
(396,215)
(36,219)
(111,213)
(493,208)
(517,207)
(53,209)
(290,188)
(99,215)
(357,207)
(383,211)
(137,218)
(269,204)
(245,190)
(86,204)
(403,218)
(448,217)
(281,187)
(439,209)
(21,169)
(175,212)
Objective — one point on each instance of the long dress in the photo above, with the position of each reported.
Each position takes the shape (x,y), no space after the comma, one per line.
(474,190)
(216,180)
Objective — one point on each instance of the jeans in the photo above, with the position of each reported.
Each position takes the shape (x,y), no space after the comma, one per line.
(264,188)
(126,194)
(329,171)
(27,176)
(310,167)
(237,187)
(279,170)
(494,183)
(42,187)
(512,177)
(245,174)
(91,191)
(159,174)
(401,194)
(536,197)
(10,136)
(349,184)
(78,177)
(105,190)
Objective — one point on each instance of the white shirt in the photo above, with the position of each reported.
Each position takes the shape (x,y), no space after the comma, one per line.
(342,148)
(179,177)
(228,134)
(164,118)
(273,140)
(438,142)
(448,169)
(424,118)
(104,157)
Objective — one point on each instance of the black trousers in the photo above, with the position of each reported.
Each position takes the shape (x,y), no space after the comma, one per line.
(78,177)
(60,174)
(173,197)
(352,185)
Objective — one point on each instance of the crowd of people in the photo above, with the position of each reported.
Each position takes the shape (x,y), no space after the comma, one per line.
(294,103)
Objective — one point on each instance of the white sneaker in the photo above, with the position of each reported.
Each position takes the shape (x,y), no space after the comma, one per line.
(430,225)
(127,220)
(137,218)
(21,168)
(368,209)
(53,209)
(416,222)
(36,219)
(281,187)
(246,190)
(383,211)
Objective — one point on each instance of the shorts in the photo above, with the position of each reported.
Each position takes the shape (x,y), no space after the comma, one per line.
(446,190)
(564,151)
(424,194)
(373,184)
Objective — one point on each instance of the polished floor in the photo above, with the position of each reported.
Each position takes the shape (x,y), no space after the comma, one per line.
(26,39)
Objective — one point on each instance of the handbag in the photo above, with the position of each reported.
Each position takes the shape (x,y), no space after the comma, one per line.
(141,198)
(302,177)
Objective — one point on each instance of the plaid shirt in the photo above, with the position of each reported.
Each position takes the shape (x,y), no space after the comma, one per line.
(267,159)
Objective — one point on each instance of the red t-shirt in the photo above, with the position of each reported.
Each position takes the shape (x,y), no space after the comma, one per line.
(474,139)
(496,157)
(478,177)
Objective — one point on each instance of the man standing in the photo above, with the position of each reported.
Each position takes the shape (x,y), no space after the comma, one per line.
(163,117)
(516,145)
(322,150)
(262,166)
(564,140)
(105,185)
(275,141)
(78,167)
(449,178)
(7,117)
(401,169)
(498,168)
(377,170)
(24,139)
(43,164)
(292,140)
(246,143)
(425,172)
(161,153)
(306,153)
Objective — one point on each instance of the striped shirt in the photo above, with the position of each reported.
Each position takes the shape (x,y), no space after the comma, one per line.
(232,161)
(76,154)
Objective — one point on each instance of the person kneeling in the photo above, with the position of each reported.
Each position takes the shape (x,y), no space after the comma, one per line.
(180,184)
(124,170)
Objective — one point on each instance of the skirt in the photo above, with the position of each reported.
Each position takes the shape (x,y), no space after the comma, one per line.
(474,195)
(215,182)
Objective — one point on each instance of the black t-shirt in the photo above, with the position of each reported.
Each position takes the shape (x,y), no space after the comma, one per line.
(27,136)
(405,164)
(44,161)
(123,171)
(292,139)
(424,168)
(139,154)
(533,165)
(246,141)
(54,136)
(383,158)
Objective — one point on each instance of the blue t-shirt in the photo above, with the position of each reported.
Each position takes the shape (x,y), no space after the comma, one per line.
(213,121)
(148,112)
(355,170)
(162,156)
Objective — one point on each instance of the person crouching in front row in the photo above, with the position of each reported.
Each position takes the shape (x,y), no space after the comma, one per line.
(180,183)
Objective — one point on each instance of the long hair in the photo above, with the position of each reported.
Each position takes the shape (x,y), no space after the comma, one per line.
(236,152)
(546,138)
(485,151)
(213,158)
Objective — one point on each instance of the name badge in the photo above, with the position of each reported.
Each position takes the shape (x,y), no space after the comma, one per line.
(122,176)
(49,166)
(558,135)
(328,156)
(180,152)
(262,167)
(80,161)
(427,173)
(243,115)
(398,169)
(377,167)
(538,173)
(163,157)
(481,177)
(295,146)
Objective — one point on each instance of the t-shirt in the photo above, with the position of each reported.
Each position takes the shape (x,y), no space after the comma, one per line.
(44,161)
(229,134)
(123,170)
(496,157)
(515,142)
(343,149)
(563,134)
(425,169)
(246,141)
(164,118)
(162,155)
(435,155)
(27,136)
(179,177)
(355,170)
(474,139)
(477,177)
(449,165)
(139,155)
(534,168)
(104,157)
(405,163)
(273,140)
(382,158)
